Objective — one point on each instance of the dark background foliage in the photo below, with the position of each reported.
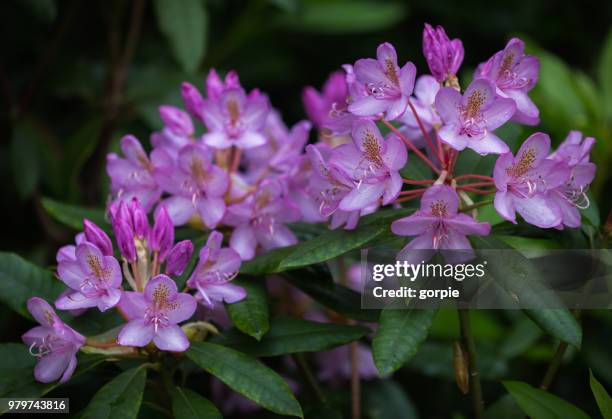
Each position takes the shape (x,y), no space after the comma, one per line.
(75,76)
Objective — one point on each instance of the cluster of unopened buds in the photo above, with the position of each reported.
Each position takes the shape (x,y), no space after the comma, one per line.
(244,172)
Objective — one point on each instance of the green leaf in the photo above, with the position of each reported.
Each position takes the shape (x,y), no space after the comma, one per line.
(387,399)
(21,280)
(399,336)
(604,401)
(517,275)
(504,408)
(325,246)
(345,17)
(25,159)
(73,215)
(187,404)
(334,296)
(290,335)
(247,376)
(605,73)
(120,398)
(540,404)
(78,148)
(185,26)
(17,371)
(251,315)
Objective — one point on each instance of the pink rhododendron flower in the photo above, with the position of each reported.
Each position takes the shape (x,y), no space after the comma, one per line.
(387,87)
(196,185)
(132,176)
(443,56)
(260,220)
(571,196)
(524,183)
(514,74)
(372,163)
(94,278)
(216,267)
(469,119)
(54,343)
(437,225)
(235,119)
(425,92)
(319,105)
(153,315)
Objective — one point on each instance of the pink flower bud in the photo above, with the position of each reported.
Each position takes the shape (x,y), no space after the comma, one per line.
(176,119)
(443,56)
(194,102)
(96,236)
(140,222)
(162,235)
(178,257)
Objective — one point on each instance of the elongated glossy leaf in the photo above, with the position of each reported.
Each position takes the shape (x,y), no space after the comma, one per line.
(399,336)
(21,280)
(185,26)
(17,371)
(120,398)
(289,335)
(73,215)
(515,273)
(604,401)
(540,404)
(504,408)
(187,404)
(251,315)
(605,73)
(247,376)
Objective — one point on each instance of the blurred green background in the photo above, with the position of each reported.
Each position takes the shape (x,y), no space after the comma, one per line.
(76,75)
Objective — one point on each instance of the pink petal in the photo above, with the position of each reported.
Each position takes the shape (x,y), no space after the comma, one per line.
(500,111)
(42,312)
(504,205)
(484,89)
(363,196)
(211,210)
(228,293)
(183,308)
(71,274)
(132,304)
(406,76)
(243,241)
(413,225)
(51,367)
(466,225)
(250,139)
(369,106)
(447,104)
(393,186)
(69,369)
(449,134)
(395,155)
(489,144)
(171,338)
(136,333)
(132,149)
(74,301)
(217,139)
(539,210)
(160,285)
(179,209)
(397,108)
(440,194)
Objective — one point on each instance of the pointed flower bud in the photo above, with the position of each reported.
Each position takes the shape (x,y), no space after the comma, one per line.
(96,236)
(443,56)
(194,102)
(139,219)
(162,234)
(176,119)
(178,257)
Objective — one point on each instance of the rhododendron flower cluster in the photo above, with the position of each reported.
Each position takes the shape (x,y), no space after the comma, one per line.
(228,166)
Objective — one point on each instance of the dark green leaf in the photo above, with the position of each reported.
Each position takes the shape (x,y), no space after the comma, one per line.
(251,315)
(187,404)
(21,280)
(345,17)
(120,398)
(504,408)
(604,401)
(399,336)
(247,376)
(289,335)
(540,404)
(78,149)
(387,399)
(185,26)
(334,296)
(73,215)
(517,275)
